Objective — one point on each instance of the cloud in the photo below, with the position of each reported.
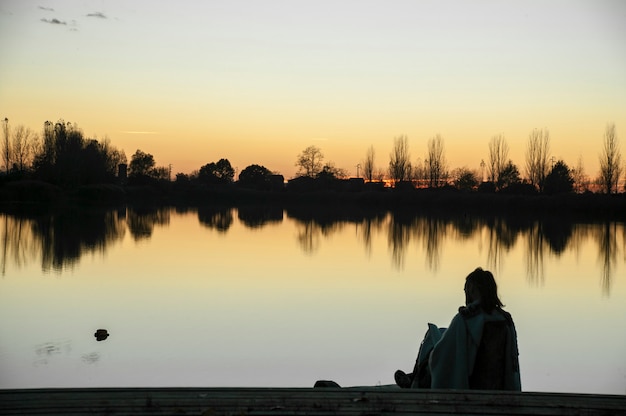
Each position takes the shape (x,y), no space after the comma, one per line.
(48,9)
(98,15)
(54,21)
(139,132)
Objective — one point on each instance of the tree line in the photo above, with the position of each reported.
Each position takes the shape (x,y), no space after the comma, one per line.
(63,156)
(542,173)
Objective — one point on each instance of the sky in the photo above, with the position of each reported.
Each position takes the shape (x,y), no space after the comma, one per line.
(256,82)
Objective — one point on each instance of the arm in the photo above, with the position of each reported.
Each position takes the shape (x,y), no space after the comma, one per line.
(449,359)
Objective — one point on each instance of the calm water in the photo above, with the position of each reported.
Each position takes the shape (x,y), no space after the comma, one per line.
(266,297)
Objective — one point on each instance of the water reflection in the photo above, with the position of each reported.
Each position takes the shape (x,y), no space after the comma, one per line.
(46,352)
(219,218)
(315,222)
(59,240)
(141,221)
(608,248)
(259,216)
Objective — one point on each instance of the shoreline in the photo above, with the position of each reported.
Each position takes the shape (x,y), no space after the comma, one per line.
(588,206)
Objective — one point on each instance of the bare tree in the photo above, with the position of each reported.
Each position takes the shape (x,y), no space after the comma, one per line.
(610,161)
(537,157)
(368,164)
(23,147)
(6,146)
(498,156)
(436,162)
(581,180)
(309,162)
(400,160)
(420,173)
(379,174)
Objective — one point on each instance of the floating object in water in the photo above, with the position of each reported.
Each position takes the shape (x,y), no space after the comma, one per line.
(101,334)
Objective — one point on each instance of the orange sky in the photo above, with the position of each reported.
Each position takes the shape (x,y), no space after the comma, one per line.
(257,82)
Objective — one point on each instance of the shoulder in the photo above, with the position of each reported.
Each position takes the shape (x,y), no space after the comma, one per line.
(507,316)
(470,310)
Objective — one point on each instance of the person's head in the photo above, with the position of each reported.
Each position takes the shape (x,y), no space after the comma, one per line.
(481,286)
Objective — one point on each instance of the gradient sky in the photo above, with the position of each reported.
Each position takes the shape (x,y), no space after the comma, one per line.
(258,81)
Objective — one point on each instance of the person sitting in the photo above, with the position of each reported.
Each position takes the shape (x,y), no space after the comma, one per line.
(478,350)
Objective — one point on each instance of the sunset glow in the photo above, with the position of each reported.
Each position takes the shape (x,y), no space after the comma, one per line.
(257,82)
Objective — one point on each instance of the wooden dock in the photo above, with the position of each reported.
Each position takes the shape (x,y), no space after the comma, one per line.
(301,401)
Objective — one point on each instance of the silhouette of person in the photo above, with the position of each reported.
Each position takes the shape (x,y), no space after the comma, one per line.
(478,350)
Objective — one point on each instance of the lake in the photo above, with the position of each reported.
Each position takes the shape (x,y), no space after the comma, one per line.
(271,296)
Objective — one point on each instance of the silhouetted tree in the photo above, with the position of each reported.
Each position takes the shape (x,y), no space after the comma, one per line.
(329,171)
(94,164)
(537,155)
(217,173)
(436,162)
(141,164)
(65,156)
(610,161)
(255,177)
(309,162)
(464,179)
(69,143)
(23,147)
(6,146)
(368,164)
(182,178)
(498,153)
(45,158)
(420,173)
(559,180)
(509,176)
(581,180)
(161,173)
(400,160)
(113,156)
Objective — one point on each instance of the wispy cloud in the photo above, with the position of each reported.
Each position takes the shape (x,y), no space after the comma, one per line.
(139,132)
(48,9)
(99,15)
(54,21)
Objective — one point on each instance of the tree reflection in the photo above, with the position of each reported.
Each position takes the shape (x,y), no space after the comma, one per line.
(257,216)
(308,236)
(219,218)
(66,236)
(142,220)
(314,222)
(398,236)
(18,244)
(534,253)
(502,236)
(558,233)
(61,238)
(606,238)
(367,228)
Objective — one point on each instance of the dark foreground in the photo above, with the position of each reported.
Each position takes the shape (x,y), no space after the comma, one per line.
(301,401)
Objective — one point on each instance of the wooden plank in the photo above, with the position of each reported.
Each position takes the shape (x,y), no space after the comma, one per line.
(304,401)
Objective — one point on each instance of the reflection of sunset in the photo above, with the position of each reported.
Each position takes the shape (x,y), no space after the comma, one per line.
(242,298)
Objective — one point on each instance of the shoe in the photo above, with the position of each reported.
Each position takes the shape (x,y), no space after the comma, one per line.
(402,379)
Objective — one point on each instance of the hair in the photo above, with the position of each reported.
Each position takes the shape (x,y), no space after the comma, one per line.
(484,282)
